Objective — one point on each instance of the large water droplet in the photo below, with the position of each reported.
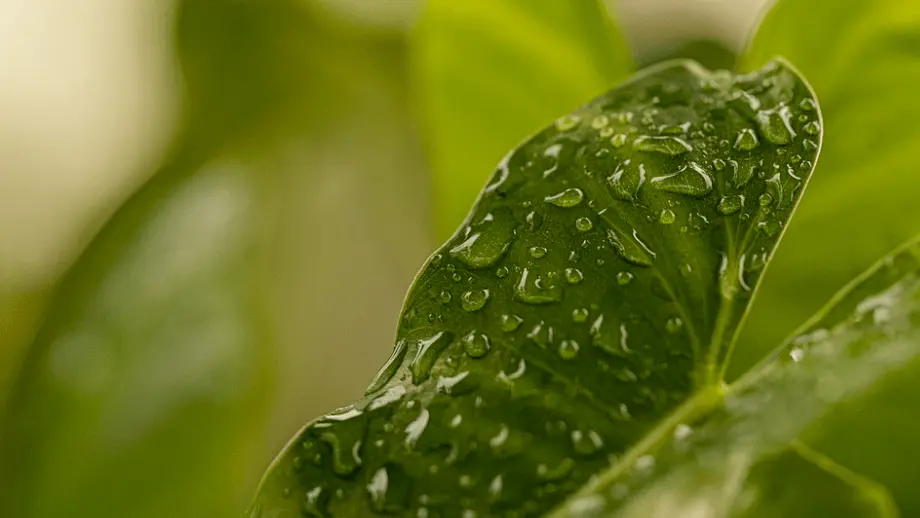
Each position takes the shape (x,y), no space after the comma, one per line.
(476,344)
(568,198)
(746,140)
(343,431)
(774,125)
(474,300)
(730,204)
(427,352)
(511,322)
(632,249)
(691,179)
(568,349)
(626,180)
(386,373)
(489,241)
(534,288)
(668,145)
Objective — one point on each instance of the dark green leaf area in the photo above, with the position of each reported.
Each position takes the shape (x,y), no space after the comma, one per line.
(596,285)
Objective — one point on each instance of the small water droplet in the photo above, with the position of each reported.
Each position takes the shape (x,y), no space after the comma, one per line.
(584,224)
(812,128)
(416,428)
(476,344)
(771,228)
(718,164)
(586,443)
(618,140)
(808,104)
(682,431)
(774,125)
(534,220)
(730,204)
(765,200)
(668,145)
(606,132)
(580,315)
(666,216)
(456,277)
(568,198)
(601,121)
(568,349)
(567,122)
(541,334)
(674,324)
(746,140)
(511,322)
(573,275)
(557,472)
(445,297)
(534,288)
(316,503)
(377,489)
(624,278)
(501,272)
(810,146)
(495,488)
(474,300)
(633,250)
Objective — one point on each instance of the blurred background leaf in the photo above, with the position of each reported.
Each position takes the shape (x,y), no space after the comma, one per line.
(491,73)
(863,59)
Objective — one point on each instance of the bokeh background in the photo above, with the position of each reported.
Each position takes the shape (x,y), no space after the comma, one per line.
(113,103)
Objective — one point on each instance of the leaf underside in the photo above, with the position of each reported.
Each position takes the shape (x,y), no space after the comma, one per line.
(594,291)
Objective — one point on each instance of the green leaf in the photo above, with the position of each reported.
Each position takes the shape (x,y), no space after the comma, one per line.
(861,58)
(492,73)
(150,361)
(588,304)
(746,458)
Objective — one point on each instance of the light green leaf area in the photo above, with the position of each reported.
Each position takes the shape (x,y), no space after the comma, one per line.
(861,58)
(586,307)
(151,357)
(490,74)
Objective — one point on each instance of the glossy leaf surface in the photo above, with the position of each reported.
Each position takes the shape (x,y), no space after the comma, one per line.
(492,73)
(594,291)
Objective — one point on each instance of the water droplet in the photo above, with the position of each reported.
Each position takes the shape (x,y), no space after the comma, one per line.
(812,128)
(426,352)
(586,443)
(568,198)
(476,344)
(452,384)
(541,334)
(501,272)
(386,373)
(624,278)
(416,428)
(682,431)
(775,188)
(498,440)
(568,349)
(668,145)
(718,164)
(510,378)
(534,288)
(584,224)
(510,322)
(377,488)
(674,324)
(557,472)
(474,300)
(626,180)
(691,179)
(488,242)
(534,220)
(495,488)
(797,354)
(730,204)
(580,315)
(600,121)
(392,395)
(666,216)
(774,125)
(343,431)
(765,200)
(445,297)
(456,277)
(770,228)
(316,503)
(537,252)
(633,250)
(746,140)
(612,341)
(573,275)
(808,105)
(618,140)
(567,122)
(810,146)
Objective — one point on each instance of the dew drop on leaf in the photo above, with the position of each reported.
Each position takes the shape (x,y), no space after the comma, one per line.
(510,322)
(427,352)
(474,300)
(568,349)
(584,224)
(476,344)
(666,216)
(580,315)
(389,368)
(667,145)
(774,125)
(624,278)
(568,198)
(573,276)
(730,204)
(534,288)
(746,140)
(567,122)
(691,179)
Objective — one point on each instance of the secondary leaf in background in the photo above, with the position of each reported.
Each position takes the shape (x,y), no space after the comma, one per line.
(863,59)
(595,289)
(746,459)
(492,73)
